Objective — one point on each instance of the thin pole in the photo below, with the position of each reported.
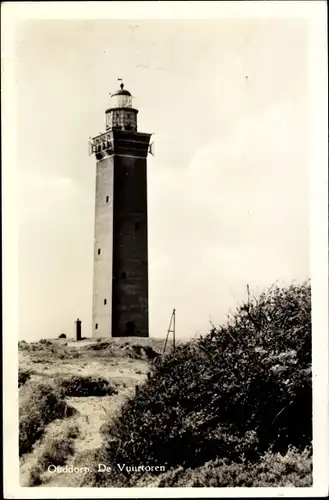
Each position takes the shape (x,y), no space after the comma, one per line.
(169,330)
(165,344)
(174,324)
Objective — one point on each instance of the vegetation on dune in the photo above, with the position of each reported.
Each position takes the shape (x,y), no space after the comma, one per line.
(50,351)
(39,404)
(55,450)
(69,371)
(23,376)
(47,351)
(79,386)
(127,349)
(293,469)
(239,392)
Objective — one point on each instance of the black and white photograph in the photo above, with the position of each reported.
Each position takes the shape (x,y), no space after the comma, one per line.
(162,228)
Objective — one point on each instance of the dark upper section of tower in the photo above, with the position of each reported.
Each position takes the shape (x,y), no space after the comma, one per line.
(121,136)
(121,115)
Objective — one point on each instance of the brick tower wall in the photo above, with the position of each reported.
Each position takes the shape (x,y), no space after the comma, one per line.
(120,296)
(130,251)
(102,288)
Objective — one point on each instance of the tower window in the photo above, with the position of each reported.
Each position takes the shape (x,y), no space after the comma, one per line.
(96,326)
(99,251)
(123,275)
(105,302)
(137,226)
(107,199)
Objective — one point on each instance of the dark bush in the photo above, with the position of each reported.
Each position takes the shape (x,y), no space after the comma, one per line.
(23,376)
(39,404)
(62,336)
(143,352)
(238,392)
(45,342)
(98,346)
(83,386)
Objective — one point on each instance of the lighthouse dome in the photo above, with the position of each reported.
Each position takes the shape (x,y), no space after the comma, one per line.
(121,98)
(121,91)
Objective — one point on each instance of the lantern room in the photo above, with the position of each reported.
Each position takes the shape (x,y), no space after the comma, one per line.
(121,115)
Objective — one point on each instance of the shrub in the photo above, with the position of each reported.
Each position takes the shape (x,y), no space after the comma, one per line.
(82,386)
(35,478)
(294,469)
(45,342)
(39,404)
(62,336)
(57,449)
(98,346)
(23,376)
(236,393)
(56,452)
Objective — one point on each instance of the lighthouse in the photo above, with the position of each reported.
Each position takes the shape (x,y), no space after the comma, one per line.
(120,275)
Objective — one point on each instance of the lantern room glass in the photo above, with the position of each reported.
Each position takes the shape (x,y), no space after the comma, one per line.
(121,101)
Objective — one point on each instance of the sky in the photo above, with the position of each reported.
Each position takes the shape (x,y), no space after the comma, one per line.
(228,103)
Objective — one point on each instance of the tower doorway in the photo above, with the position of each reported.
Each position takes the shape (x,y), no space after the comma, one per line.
(130,329)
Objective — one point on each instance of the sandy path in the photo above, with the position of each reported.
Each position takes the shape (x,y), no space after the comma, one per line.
(91,412)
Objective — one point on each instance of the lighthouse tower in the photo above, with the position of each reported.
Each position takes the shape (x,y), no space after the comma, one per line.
(120,280)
